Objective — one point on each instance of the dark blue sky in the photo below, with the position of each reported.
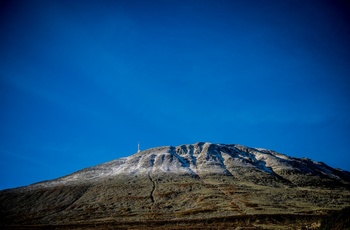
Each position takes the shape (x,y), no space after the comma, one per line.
(81,82)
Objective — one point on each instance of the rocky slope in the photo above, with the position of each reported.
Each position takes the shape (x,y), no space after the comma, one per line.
(170,186)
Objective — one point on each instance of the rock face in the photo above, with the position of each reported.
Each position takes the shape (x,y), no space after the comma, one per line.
(185,183)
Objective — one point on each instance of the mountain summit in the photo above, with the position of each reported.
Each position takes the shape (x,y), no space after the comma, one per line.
(187,183)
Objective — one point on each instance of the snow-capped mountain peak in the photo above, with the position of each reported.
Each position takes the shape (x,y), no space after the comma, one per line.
(205,158)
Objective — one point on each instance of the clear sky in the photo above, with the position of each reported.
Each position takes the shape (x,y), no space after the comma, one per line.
(82,82)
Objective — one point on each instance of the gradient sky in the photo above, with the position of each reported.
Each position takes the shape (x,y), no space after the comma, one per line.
(81,82)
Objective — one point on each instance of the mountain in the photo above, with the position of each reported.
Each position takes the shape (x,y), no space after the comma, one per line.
(203,184)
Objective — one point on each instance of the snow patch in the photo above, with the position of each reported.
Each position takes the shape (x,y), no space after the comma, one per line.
(200,158)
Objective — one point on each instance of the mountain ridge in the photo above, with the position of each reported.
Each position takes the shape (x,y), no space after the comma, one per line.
(205,158)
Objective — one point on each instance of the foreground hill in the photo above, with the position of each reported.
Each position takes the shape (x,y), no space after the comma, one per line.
(199,185)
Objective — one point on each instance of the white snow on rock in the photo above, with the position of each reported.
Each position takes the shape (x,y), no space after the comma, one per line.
(197,159)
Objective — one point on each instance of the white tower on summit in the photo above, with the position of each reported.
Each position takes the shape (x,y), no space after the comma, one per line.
(138,147)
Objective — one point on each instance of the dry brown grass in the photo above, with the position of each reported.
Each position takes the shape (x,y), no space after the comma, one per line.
(178,202)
